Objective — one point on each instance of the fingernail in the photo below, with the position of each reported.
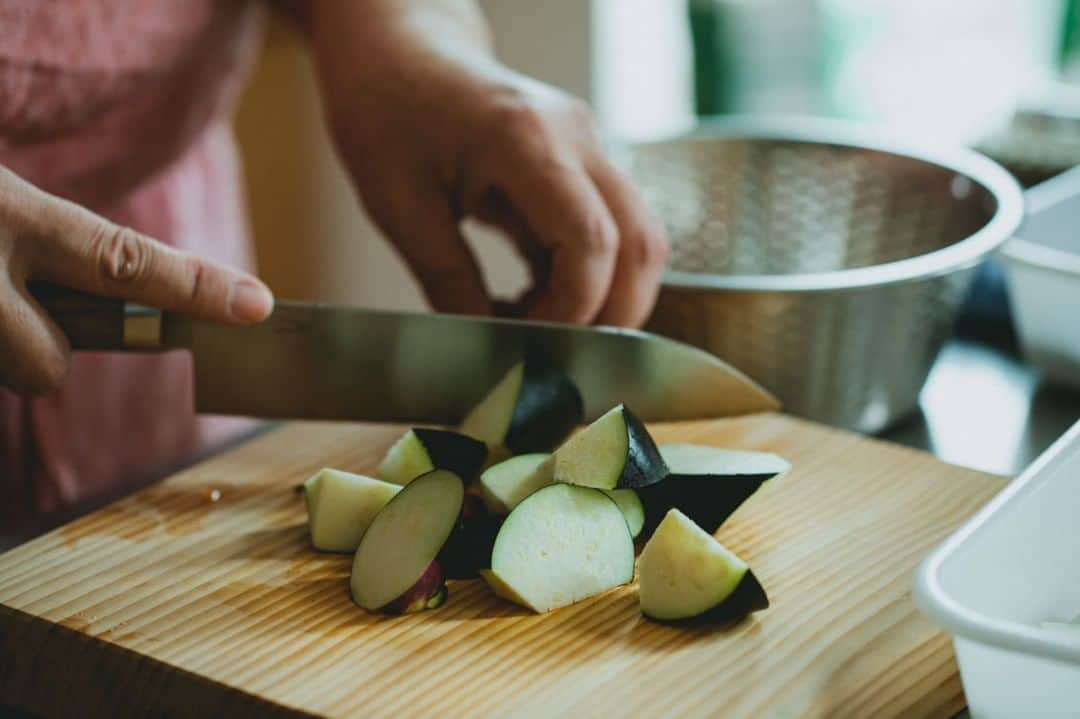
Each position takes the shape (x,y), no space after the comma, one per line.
(250,301)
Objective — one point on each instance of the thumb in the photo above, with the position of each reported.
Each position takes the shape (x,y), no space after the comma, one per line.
(74,247)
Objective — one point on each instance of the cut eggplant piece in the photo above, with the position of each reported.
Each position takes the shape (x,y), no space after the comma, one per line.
(505,484)
(309,490)
(468,548)
(614,452)
(428,592)
(419,451)
(686,575)
(405,538)
(630,505)
(699,459)
(707,483)
(508,483)
(707,500)
(562,544)
(532,409)
(501,588)
(340,507)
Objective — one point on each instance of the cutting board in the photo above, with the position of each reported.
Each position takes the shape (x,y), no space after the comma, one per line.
(200,596)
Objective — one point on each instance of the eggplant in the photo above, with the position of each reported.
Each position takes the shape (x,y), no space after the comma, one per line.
(689,460)
(419,451)
(532,409)
(614,452)
(504,485)
(686,576)
(707,483)
(562,544)
(427,592)
(340,507)
(469,547)
(402,542)
(631,506)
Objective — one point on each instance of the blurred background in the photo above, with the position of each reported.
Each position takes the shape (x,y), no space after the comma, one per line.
(947,71)
(1000,76)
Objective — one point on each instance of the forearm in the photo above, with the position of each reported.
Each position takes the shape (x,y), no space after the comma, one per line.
(403,52)
(442,25)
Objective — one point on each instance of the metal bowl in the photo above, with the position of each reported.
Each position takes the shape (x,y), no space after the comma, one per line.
(824,261)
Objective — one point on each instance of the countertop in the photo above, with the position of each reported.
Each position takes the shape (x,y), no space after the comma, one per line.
(983,407)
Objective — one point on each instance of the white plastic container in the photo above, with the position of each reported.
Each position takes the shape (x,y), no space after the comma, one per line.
(1042,268)
(1012,566)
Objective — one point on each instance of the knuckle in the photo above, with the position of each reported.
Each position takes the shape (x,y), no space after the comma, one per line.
(578,112)
(121,254)
(647,248)
(517,117)
(600,237)
(197,282)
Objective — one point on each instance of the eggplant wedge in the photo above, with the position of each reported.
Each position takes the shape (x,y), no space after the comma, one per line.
(504,485)
(533,408)
(419,451)
(707,483)
(686,575)
(614,452)
(341,506)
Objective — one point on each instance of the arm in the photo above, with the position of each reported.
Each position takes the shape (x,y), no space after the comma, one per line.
(433,129)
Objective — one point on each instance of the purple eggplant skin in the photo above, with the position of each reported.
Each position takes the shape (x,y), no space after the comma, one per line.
(464,456)
(708,499)
(748,597)
(644,465)
(548,408)
(468,548)
(429,592)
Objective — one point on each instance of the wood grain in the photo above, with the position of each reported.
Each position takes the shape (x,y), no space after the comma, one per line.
(201,596)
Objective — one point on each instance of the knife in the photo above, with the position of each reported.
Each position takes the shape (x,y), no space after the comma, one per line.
(313,361)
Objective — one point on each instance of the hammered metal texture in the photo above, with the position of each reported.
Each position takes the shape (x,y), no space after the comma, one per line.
(855,358)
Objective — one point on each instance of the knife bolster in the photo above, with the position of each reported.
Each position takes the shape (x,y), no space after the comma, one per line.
(142,328)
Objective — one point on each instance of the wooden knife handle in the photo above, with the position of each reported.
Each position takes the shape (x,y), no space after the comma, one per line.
(99,323)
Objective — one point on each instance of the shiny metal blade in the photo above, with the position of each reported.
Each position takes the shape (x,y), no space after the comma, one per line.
(321,362)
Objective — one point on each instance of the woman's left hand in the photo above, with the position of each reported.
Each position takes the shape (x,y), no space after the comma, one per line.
(434,130)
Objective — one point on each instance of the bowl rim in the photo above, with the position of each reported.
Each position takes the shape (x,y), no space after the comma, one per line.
(981,170)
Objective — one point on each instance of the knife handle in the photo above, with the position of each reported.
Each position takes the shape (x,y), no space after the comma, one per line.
(91,322)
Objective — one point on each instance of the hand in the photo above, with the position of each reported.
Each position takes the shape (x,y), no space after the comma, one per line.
(43,237)
(433,131)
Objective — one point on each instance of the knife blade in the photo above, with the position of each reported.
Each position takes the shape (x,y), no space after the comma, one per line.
(315,361)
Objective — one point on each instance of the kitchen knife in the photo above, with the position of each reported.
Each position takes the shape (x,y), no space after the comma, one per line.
(309,361)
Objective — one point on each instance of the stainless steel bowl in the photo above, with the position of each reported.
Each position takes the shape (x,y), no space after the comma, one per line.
(824,261)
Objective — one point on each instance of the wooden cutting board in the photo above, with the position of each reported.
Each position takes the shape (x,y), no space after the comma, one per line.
(200,596)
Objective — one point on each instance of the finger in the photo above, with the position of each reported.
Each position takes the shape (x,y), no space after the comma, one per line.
(495,211)
(35,353)
(425,231)
(568,217)
(642,256)
(74,247)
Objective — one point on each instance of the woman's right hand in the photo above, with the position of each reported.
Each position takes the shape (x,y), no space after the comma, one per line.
(43,237)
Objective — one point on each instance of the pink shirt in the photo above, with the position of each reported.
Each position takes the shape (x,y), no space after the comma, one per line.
(121,106)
